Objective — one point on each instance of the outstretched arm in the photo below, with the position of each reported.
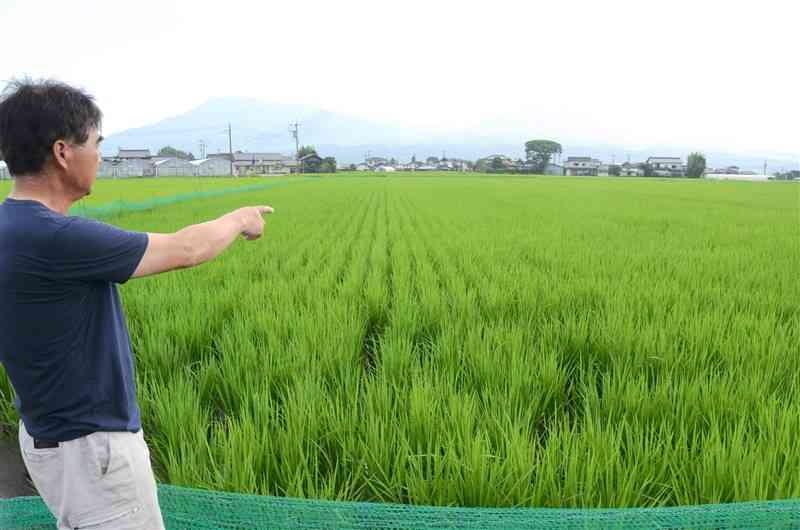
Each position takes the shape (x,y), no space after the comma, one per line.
(199,243)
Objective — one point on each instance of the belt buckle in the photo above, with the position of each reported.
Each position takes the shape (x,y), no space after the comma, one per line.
(41,444)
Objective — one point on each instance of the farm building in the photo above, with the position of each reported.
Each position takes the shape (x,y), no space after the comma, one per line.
(4,174)
(106,169)
(581,166)
(667,166)
(385,169)
(737,176)
(173,167)
(211,167)
(262,164)
(125,168)
(629,169)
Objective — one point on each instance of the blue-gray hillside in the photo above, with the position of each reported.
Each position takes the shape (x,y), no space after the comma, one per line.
(256,126)
(263,126)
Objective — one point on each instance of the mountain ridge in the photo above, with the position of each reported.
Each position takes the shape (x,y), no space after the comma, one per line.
(262,126)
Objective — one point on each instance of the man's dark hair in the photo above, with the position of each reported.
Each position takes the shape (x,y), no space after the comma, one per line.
(34,114)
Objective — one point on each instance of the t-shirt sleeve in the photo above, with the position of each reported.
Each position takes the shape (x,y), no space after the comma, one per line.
(84,249)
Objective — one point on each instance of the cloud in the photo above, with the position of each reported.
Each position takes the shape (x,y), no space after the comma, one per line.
(712,74)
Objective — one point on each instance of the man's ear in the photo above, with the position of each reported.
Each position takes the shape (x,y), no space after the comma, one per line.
(60,155)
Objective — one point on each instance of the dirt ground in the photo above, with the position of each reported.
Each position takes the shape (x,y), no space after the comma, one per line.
(14,480)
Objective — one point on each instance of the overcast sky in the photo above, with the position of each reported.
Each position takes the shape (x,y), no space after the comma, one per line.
(704,74)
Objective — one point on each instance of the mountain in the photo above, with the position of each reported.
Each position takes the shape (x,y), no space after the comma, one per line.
(260,126)
(256,126)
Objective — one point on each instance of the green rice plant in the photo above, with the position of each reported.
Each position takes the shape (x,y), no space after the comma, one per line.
(479,341)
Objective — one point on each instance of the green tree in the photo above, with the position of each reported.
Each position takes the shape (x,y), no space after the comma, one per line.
(497,164)
(176,153)
(696,165)
(306,150)
(647,169)
(432,160)
(614,170)
(413,159)
(540,152)
(328,165)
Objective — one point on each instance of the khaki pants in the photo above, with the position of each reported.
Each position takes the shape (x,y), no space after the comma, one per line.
(100,481)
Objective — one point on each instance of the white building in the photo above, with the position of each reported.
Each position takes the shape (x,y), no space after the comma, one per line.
(4,174)
(125,168)
(581,166)
(263,164)
(173,167)
(737,176)
(211,167)
(629,169)
(667,166)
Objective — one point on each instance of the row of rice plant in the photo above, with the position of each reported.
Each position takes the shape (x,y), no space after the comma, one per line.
(482,342)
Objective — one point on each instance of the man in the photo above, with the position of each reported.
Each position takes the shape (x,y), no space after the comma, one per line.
(63,338)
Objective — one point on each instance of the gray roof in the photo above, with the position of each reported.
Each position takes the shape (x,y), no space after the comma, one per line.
(579,159)
(658,159)
(134,153)
(166,160)
(259,157)
(204,160)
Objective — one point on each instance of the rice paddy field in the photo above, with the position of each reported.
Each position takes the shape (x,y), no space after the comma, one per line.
(134,191)
(478,341)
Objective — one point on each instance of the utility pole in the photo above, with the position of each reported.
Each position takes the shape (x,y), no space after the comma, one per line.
(294,128)
(230,147)
(765,167)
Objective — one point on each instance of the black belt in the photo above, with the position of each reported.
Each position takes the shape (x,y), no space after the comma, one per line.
(41,444)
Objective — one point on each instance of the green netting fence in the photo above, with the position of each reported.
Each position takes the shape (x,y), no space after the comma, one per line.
(191,509)
(122,206)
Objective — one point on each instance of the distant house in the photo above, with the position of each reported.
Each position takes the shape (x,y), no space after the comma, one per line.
(4,174)
(310,163)
(362,167)
(488,162)
(581,166)
(173,167)
(385,169)
(263,164)
(628,169)
(211,167)
(376,161)
(121,168)
(453,164)
(667,166)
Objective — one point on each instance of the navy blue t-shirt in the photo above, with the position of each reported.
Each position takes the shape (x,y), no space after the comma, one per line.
(63,338)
